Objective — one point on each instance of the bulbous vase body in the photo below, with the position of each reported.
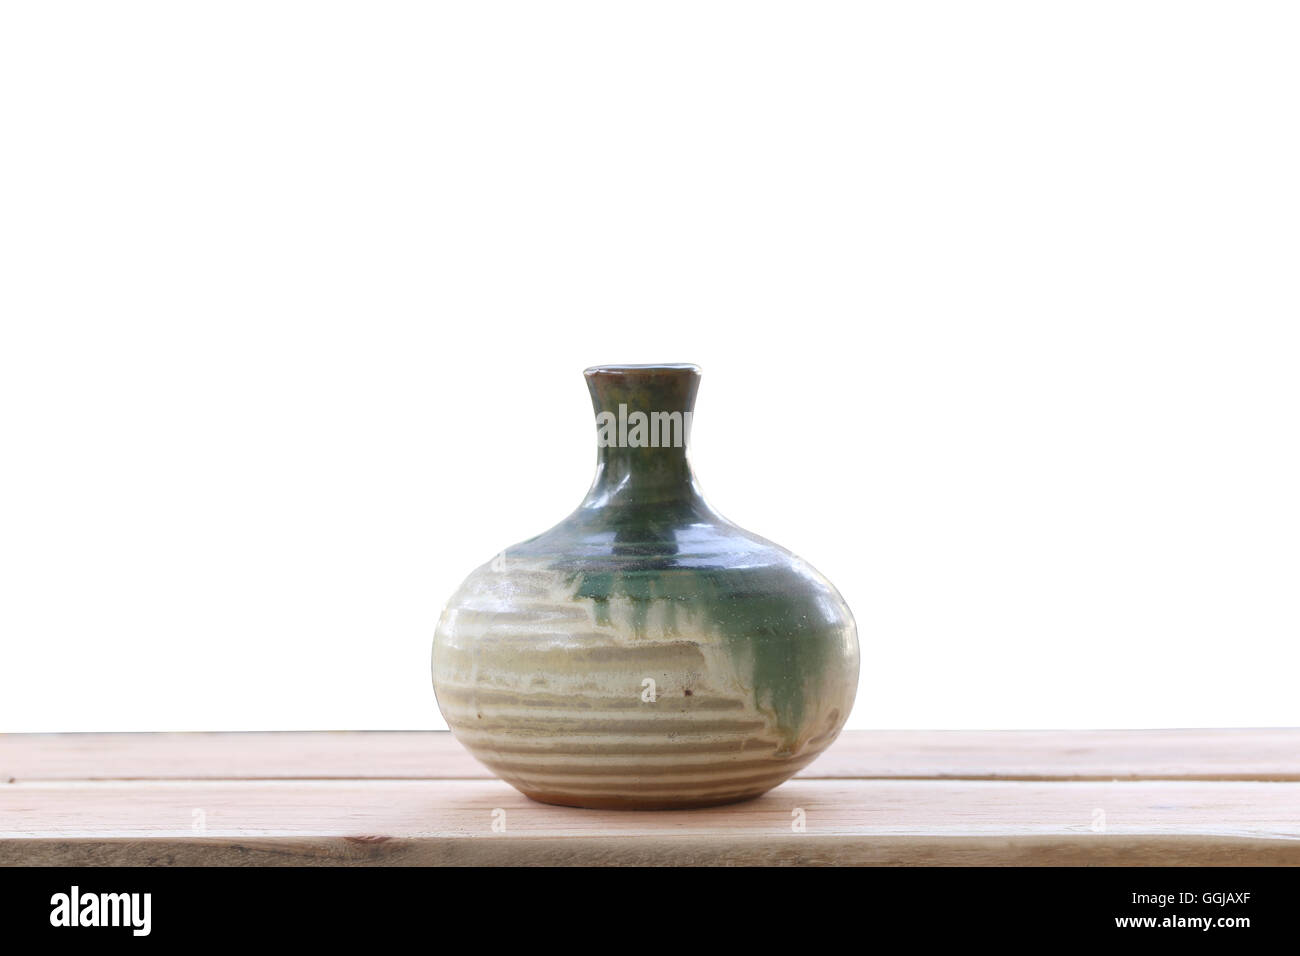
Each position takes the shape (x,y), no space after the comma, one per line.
(645,653)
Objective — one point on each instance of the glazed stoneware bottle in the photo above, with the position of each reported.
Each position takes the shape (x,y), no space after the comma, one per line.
(645,653)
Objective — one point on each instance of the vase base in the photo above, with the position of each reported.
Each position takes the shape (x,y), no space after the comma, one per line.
(590,802)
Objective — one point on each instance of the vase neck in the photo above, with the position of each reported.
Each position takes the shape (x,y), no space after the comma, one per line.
(643,421)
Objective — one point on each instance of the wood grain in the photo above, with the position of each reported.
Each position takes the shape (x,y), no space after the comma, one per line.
(917,798)
(1271,754)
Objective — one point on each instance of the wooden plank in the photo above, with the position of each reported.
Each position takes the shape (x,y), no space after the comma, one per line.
(237,756)
(1229,754)
(1272,754)
(430,822)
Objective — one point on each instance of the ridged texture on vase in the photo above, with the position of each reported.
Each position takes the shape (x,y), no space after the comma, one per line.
(645,652)
(547,684)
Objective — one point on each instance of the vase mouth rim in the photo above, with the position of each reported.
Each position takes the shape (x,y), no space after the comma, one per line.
(654,368)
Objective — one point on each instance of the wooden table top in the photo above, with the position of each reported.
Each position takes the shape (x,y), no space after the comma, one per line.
(1167,797)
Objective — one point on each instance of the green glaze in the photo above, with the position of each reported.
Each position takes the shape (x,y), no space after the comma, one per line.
(645,534)
(645,653)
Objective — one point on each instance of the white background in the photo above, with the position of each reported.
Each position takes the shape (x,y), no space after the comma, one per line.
(996,304)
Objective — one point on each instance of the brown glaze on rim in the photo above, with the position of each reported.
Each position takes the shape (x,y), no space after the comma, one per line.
(642,371)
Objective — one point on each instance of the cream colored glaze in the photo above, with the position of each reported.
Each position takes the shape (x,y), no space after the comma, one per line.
(557,704)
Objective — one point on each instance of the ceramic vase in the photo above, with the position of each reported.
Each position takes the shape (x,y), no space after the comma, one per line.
(645,653)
